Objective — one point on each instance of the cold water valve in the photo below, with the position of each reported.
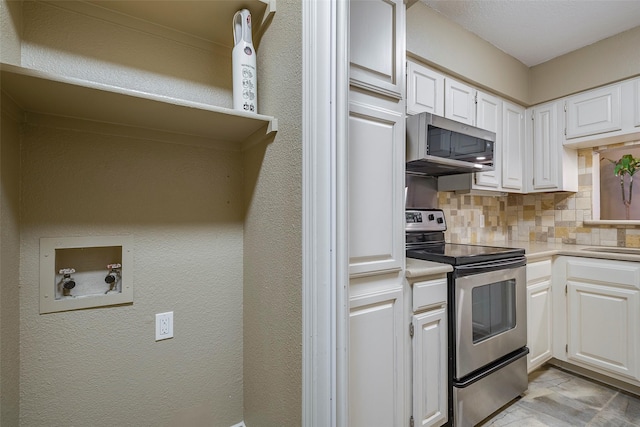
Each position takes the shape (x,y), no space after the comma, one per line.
(112,278)
(67,281)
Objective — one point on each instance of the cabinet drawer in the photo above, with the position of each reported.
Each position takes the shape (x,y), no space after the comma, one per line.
(539,270)
(429,293)
(619,273)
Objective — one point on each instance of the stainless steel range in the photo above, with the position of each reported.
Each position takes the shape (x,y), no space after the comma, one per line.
(486,313)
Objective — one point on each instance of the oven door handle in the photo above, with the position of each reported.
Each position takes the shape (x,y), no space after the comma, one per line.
(483,267)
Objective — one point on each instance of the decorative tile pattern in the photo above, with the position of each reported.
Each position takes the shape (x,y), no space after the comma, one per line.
(543,217)
(556,398)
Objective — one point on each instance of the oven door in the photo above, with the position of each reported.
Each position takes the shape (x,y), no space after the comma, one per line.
(490,313)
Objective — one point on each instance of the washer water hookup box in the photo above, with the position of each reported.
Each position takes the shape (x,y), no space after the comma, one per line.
(85,272)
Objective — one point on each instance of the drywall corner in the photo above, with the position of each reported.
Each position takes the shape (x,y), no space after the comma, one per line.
(10,31)
(9,272)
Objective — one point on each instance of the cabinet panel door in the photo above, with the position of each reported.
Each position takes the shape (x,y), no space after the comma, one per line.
(459,103)
(430,375)
(546,156)
(379,24)
(425,90)
(489,117)
(539,333)
(636,117)
(603,327)
(593,112)
(376,368)
(376,159)
(513,146)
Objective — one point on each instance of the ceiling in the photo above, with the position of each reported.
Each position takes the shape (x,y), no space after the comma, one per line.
(535,31)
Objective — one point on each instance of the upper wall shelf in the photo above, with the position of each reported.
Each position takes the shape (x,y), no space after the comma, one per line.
(206,20)
(38,92)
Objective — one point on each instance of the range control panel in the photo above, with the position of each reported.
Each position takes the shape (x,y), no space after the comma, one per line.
(424,220)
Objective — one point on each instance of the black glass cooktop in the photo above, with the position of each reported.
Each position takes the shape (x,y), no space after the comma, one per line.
(460,254)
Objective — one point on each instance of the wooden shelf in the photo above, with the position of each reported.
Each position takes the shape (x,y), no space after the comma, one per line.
(207,20)
(38,92)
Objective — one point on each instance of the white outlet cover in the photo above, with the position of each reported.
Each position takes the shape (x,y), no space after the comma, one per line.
(164,325)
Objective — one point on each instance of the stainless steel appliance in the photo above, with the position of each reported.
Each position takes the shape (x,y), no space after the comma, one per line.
(486,313)
(437,146)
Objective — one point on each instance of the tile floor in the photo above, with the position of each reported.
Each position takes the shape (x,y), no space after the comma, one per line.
(557,398)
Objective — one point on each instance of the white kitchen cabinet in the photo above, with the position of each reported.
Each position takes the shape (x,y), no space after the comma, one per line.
(539,314)
(602,316)
(489,117)
(376,33)
(636,107)
(593,112)
(513,139)
(460,102)
(553,166)
(425,90)
(429,342)
(376,360)
(602,116)
(376,241)
(376,187)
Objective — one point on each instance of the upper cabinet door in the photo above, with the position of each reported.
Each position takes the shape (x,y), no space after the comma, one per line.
(489,117)
(546,156)
(593,112)
(425,90)
(460,102)
(636,116)
(377,45)
(513,146)
(376,190)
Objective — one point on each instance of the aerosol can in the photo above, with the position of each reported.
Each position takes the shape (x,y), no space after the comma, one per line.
(243,58)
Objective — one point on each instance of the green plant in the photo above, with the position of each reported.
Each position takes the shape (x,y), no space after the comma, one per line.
(626,165)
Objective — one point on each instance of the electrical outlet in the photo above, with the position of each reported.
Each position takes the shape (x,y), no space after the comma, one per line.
(481,221)
(164,325)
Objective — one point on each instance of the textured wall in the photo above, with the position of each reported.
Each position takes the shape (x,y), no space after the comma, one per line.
(183,207)
(609,60)
(273,242)
(10,28)
(9,273)
(97,50)
(433,38)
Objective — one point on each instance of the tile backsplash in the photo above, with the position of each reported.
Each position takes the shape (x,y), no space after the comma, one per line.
(542,217)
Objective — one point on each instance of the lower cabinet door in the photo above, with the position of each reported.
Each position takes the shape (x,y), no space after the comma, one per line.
(430,368)
(603,327)
(376,370)
(539,332)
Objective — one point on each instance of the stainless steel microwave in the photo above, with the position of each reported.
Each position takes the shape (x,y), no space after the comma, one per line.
(437,146)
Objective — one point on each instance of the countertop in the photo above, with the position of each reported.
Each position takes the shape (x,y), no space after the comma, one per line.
(534,251)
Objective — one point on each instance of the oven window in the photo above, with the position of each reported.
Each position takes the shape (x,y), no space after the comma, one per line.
(493,309)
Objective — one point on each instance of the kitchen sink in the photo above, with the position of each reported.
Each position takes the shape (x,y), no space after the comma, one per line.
(614,250)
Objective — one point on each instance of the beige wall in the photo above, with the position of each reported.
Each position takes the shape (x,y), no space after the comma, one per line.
(10,28)
(183,207)
(437,41)
(273,242)
(9,271)
(609,60)
(97,50)
(210,229)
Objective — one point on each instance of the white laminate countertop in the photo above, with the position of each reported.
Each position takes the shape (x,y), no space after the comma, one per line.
(419,268)
(534,251)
